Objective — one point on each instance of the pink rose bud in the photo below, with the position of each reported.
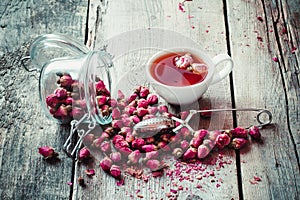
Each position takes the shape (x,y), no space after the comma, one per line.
(135,119)
(116,113)
(126,130)
(177,152)
(121,95)
(153,165)
(69,101)
(105,146)
(101,99)
(238,143)
(115,157)
(144,92)
(47,152)
(198,138)
(138,143)
(209,143)
(152,99)
(190,153)
(152,110)
(129,110)
(203,151)
(100,86)
(142,103)
(122,104)
(61,112)
(129,138)
(112,103)
(117,124)
(151,155)
(61,93)
(127,121)
(106,164)
(66,81)
(239,132)
(255,133)
(184,144)
(222,140)
(90,172)
(132,97)
(134,157)
(149,147)
(84,153)
(117,139)
(98,141)
(141,112)
(115,171)
(213,135)
(52,100)
(125,151)
(162,109)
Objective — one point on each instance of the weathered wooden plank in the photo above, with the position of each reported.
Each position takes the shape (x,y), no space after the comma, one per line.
(256,36)
(24,173)
(203,22)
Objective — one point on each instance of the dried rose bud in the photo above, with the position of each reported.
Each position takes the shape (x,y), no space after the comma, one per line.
(134,157)
(152,99)
(149,147)
(98,141)
(151,155)
(66,81)
(141,112)
(106,164)
(135,119)
(115,157)
(52,100)
(222,140)
(152,110)
(61,112)
(153,165)
(198,138)
(132,97)
(129,138)
(117,124)
(122,104)
(142,103)
(100,86)
(116,113)
(184,144)
(138,143)
(144,91)
(209,143)
(84,153)
(129,110)
(127,121)
(121,95)
(105,146)
(112,103)
(190,153)
(90,172)
(177,152)
(47,152)
(61,93)
(69,101)
(125,150)
(185,132)
(115,171)
(101,99)
(239,132)
(255,133)
(121,144)
(203,151)
(117,139)
(162,109)
(149,140)
(238,143)
(126,130)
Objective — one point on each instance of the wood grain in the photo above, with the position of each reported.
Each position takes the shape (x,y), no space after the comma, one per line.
(24,173)
(261,82)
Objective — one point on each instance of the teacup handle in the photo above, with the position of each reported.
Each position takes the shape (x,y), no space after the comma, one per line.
(218,76)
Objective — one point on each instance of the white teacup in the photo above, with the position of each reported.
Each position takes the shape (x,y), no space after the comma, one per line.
(190,93)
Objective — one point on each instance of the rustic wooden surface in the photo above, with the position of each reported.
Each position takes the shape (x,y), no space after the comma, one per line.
(218,26)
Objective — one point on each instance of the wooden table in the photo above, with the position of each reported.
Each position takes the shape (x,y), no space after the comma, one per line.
(252,32)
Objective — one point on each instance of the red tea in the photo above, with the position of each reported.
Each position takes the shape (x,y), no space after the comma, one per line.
(165,71)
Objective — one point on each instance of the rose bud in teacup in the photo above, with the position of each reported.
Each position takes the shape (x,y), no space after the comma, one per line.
(182,75)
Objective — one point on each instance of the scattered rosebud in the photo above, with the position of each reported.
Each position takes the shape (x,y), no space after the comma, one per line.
(52,100)
(152,99)
(66,81)
(151,155)
(190,153)
(69,101)
(144,92)
(116,113)
(184,144)
(125,151)
(115,171)
(153,165)
(105,146)
(238,143)
(121,95)
(61,93)
(254,132)
(141,112)
(203,151)
(112,102)
(162,109)
(90,172)
(134,157)
(138,143)
(149,147)
(129,110)
(61,112)
(239,132)
(132,97)
(115,157)
(101,99)
(106,164)
(142,103)
(135,119)
(84,153)
(100,86)
(47,152)
(198,138)
(222,140)
(152,110)
(117,124)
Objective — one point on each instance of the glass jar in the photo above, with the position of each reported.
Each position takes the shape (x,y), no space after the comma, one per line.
(74,82)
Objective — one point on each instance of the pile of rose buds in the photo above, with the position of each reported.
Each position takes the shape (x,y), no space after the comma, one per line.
(123,149)
(65,102)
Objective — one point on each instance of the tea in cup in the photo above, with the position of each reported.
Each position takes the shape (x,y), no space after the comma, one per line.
(182,75)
